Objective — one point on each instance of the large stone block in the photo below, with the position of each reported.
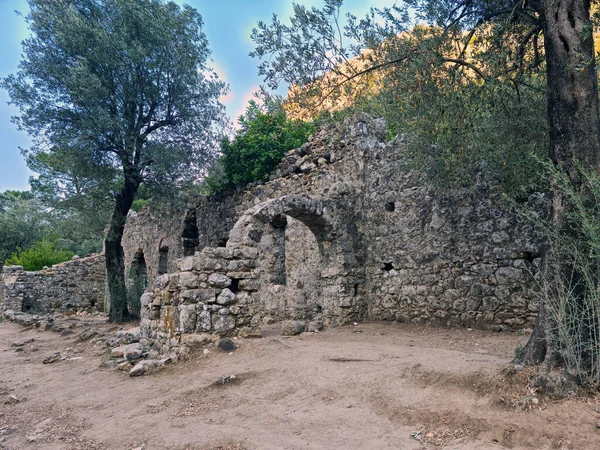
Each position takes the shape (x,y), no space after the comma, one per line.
(219,280)
(226,297)
(223,324)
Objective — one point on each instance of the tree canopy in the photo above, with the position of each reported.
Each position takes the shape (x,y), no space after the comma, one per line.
(511,53)
(264,136)
(116,93)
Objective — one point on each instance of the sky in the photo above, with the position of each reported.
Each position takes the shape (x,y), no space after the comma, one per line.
(227,25)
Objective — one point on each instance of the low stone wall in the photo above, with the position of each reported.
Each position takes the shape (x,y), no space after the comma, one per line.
(211,292)
(79,283)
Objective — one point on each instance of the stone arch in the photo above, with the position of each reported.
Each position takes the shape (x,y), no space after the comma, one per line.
(264,222)
(248,230)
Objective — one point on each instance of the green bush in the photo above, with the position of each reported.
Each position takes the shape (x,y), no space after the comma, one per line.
(42,253)
(258,146)
(138,204)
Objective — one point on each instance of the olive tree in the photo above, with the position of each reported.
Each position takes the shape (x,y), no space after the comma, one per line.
(122,88)
(555,35)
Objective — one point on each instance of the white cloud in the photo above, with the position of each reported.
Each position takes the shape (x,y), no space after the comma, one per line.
(228,98)
(243,104)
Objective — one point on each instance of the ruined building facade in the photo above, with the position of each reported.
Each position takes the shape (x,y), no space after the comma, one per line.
(342,232)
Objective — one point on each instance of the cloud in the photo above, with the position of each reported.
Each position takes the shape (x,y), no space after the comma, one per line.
(242,104)
(228,98)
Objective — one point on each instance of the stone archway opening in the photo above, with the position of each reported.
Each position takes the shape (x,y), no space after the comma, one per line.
(138,282)
(291,263)
(163,260)
(190,237)
(304,271)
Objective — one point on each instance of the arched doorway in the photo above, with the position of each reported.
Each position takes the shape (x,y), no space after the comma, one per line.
(190,237)
(303,268)
(163,260)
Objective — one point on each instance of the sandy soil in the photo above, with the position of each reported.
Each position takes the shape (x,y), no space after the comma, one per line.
(370,386)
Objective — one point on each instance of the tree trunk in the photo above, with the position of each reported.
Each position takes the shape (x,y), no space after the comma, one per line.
(115,258)
(574,136)
(573,124)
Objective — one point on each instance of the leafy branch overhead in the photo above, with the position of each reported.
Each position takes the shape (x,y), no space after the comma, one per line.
(324,55)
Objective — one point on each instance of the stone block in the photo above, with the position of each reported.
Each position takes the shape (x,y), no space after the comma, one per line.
(226,297)
(219,280)
(508,275)
(185,264)
(491,303)
(249,285)
(187,318)
(189,280)
(203,323)
(223,324)
(292,327)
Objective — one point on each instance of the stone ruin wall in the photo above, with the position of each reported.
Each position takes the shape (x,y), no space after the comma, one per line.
(458,259)
(341,232)
(79,283)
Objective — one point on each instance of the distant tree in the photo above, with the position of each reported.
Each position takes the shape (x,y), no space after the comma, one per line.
(39,255)
(119,89)
(23,221)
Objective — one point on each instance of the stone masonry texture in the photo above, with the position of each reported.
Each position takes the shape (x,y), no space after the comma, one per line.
(341,232)
(79,283)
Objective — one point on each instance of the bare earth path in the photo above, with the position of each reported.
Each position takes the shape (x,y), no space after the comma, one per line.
(369,386)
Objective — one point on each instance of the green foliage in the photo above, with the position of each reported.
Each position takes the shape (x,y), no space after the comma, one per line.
(23,221)
(115,94)
(26,219)
(114,85)
(463,131)
(469,92)
(258,146)
(138,204)
(41,254)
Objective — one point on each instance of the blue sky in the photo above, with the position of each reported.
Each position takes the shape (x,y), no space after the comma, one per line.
(227,24)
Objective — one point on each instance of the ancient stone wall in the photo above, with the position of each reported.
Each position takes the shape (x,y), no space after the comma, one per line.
(459,258)
(341,232)
(79,283)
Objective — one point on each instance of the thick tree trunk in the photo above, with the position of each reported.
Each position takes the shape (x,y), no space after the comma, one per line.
(115,258)
(574,135)
(573,124)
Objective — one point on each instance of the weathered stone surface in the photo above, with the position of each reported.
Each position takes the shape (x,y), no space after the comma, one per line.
(248,332)
(187,318)
(129,336)
(223,324)
(74,284)
(130,351)
(142,367)
(219,280)
(12,399)
(292,327)
(226,345)
(351,237)
(315,326)
(226,297)
(133,351)
(204,323)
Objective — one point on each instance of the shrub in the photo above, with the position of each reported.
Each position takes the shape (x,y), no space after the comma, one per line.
(265,135)
(42,253)
(138,204)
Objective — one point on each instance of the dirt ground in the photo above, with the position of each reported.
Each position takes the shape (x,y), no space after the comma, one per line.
(370,386)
